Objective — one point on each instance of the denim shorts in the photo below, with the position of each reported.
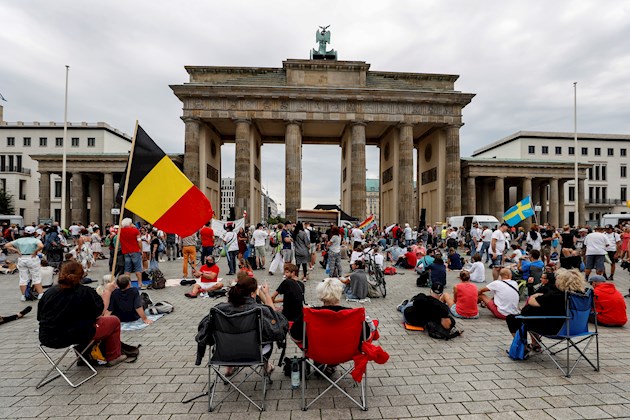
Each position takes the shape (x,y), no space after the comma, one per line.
(498,260)
(133,262)
(596,262)
(453,309)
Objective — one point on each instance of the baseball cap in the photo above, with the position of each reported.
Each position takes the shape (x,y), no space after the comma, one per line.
(437,288)
(29,229)
(609,226)
(596,277)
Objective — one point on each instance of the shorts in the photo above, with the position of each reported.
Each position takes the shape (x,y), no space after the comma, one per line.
(313,248)
(498,260)
(595,261)
(29,269)
(133,262)
(546,250)
(611,255)
(287,255)
(495,311)
(456,315)
(260,251)
(205,285)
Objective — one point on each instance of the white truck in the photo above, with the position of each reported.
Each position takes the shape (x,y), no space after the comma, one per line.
(467,221)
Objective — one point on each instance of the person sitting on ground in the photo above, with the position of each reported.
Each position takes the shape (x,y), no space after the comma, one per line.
(463,303)
(394,252)
(438,271)
(454,260)
(610,305)
(408,260)
(506,295)
(570,258)
(9,318)
(422,309)
(515,254)
(552,303)
(207,278)
(70,313)
(532,268)
(357,253)
(477,270)
(125,302)
(292,291)
(357,283)
(424,262)
(242,298)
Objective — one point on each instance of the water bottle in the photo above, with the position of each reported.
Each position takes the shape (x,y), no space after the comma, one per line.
(295,373)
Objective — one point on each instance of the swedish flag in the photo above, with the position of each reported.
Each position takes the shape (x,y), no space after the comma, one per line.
(521,211)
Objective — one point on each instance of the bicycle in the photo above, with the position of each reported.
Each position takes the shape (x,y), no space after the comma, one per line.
(376,277)
(218,248)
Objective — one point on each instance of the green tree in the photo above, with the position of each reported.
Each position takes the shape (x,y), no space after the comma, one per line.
(6,203)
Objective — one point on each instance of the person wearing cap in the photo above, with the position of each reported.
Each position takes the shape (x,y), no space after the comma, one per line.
(506,295)
(610,307)
(422,309)
(28,263)
(596,244)
(613,248)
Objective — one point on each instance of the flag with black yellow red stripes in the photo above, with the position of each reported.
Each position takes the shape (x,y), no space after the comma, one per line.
(160,193)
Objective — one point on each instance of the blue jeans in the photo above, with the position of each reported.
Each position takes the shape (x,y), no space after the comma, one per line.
(334,264)
(349,294)
(485,248)
(205,251)
(231,257)
(133,262)
(402,309)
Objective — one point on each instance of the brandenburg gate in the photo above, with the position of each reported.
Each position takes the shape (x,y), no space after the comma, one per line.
(326,101)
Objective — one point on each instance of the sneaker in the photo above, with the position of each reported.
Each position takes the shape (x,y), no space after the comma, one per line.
(116,361)
(23,298)
(403,303)
(190,295)
(611,278)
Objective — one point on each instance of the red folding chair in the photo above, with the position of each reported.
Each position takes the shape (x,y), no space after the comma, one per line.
(332,338)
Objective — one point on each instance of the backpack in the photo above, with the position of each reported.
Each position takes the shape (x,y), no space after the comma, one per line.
(423,279)
(146,300)
(157,280)
(29,293)
(314,236)
(437,331)
(162,307)
(518,349)
(389,271)
(273,240)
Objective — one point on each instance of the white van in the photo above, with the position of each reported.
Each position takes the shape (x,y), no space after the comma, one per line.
(615,219)
(11,219)
(467,221)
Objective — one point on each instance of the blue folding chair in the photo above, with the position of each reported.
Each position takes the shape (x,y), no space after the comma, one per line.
(573,332)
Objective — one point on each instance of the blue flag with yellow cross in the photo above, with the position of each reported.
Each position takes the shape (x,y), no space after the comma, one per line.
(521,211)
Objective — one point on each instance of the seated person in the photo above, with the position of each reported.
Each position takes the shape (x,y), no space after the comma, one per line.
(241,298)
(551,303)
(357,253)
(610,305)
(70,313)
(532,268)
(292,291)
(477,270)
(438,271)
(125,302)
(207,278)
(547,282)
(395,252)
(425,262)
(9,318)
(378,258)
(515,254)
(570,258)
(454,260)
(408,260)
(463,303)
(357,283)
(506,295)
(422,308)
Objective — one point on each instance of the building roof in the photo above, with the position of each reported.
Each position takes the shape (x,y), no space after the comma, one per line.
(550,135)
(344,215)
(71,126)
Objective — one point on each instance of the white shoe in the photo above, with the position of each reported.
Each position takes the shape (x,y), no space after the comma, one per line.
(40,296)
(23,298)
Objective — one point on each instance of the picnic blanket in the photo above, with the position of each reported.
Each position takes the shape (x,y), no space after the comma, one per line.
(138,324)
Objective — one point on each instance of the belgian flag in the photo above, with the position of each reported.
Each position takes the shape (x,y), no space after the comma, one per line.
(160,193)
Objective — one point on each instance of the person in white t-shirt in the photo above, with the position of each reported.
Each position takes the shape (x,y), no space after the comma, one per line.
(475,238)
(486,238)
(596,244)
(497,247)
(506,295)
(515,254)
(357,237)
(260,236)
(613,248)
(477,270)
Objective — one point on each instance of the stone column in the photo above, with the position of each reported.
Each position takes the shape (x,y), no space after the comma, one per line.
(554,218)
(542,199)
(405,175)
(581,202)
(499,197)
(95,200)
(471,193)
(357,172)
(453,198)
(561,218)
(191,149)
(44,194)
(78,199)
(527,191)
(485,196)
(242,169)
(293,171)
(108,198)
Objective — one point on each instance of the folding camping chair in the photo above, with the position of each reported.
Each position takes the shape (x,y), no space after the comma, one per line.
(63,372)
(237,343)
(332,338)
(573,332)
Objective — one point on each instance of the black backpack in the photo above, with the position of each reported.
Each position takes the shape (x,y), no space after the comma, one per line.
(436,330)
(157,280)
(423,279)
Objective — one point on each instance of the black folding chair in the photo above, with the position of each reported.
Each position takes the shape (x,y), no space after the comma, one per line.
(63,371)
(238,344)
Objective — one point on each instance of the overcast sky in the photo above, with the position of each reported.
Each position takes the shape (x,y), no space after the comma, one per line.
(519,58)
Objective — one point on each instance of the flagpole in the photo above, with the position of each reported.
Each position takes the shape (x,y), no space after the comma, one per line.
(63,159)
(124,198)
(575,165)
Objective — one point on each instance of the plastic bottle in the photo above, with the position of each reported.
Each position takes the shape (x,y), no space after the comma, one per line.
(295,373)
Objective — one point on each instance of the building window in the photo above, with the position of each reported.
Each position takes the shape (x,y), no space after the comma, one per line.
(598,151)
(531,149)
(43,142)
(11,159)
(91,142)
(75,142)
(3,163)
(27,142)
(59,142)
(22,213)
(623,194)
(571,150)
(57,214)
(545,150)
(590,194)
(57,189)
(624,171)
(10,141)
(22,189)
(571,194)
(584,151)
(622,152)
(558,150)
(604,194)
(18,163)
(590,173)
(611,152)
(597,173)
(3,184)
(603,173)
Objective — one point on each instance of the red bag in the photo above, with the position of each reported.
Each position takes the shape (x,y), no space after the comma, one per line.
(389,271)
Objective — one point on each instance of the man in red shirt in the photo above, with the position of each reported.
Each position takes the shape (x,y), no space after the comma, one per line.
(207,240)
(130,243)
(609,303)
(207,278)
(409,260)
